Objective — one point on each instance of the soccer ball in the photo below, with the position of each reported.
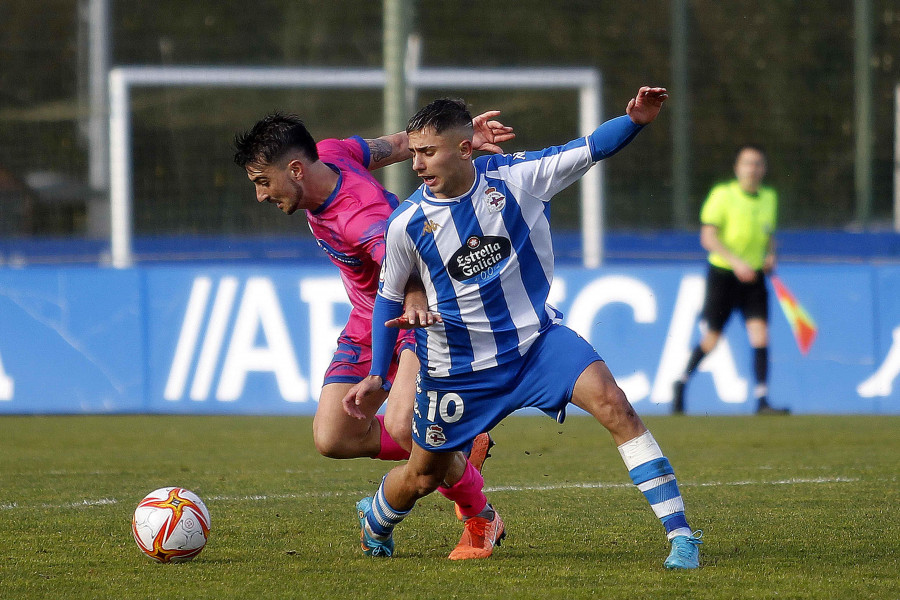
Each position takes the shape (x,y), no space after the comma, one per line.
(171,524)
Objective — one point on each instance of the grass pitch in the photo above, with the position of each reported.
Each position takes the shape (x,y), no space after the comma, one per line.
(793,507)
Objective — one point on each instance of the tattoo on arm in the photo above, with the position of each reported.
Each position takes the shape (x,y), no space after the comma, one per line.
(380,149)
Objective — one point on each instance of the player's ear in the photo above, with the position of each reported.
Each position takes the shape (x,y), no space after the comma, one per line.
(465,148)
(296,169)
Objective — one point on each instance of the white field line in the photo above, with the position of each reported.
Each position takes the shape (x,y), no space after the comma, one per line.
(502,488)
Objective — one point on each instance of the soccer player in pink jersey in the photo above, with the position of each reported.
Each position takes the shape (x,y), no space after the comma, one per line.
(347,210)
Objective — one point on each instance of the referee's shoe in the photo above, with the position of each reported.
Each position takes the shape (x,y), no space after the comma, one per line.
(763,408)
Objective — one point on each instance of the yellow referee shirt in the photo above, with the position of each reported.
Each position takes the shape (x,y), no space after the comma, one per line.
(745,221)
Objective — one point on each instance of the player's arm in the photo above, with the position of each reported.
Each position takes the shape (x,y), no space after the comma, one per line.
(615,134)
(372,388)
(415,301)
(387,150)
(709,239)
(770,260)
(487,134)
(545,173)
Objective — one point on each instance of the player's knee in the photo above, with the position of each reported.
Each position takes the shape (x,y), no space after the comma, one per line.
(400,429)
(424,484)
(330,443)
(710,341)
(612,406)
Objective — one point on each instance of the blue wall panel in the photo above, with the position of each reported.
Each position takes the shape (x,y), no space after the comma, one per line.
(71,341)
(240,340)
(250,339)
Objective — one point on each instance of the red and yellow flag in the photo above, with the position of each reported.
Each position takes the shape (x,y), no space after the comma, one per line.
(801,323)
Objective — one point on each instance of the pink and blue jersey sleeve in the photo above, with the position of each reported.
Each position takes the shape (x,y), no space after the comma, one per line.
(354,149)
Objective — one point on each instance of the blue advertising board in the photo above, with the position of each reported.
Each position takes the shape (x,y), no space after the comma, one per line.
(257,339)
(71,341)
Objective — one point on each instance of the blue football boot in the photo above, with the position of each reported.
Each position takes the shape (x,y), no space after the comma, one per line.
(685,553)
(371,545)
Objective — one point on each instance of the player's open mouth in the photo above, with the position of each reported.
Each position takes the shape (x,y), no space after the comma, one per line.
(428,179)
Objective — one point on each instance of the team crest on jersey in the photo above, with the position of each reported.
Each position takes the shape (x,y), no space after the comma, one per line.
(434,436)
(495,200)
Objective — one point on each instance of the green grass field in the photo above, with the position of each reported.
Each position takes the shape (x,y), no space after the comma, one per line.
(795,507)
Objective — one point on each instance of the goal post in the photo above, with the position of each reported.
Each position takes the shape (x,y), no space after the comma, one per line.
(586,81)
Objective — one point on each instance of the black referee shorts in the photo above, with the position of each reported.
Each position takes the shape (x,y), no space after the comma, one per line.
(725,292)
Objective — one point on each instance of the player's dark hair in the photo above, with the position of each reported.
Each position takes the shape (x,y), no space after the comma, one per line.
(441,115)
(271,138)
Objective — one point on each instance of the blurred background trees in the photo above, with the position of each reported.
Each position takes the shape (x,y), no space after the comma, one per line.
(777,73)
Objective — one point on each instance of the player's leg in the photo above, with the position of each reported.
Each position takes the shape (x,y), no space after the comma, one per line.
(563,367)
(596,392)
(717,307)
(396,496)
(450,427)
(399,411)
(755,308)
(758,334)
(337,434)
(466,491)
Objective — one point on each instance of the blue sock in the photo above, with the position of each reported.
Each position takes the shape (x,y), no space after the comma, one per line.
(651,472)
(383,518)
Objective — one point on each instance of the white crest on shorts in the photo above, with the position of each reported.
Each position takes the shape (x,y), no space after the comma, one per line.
(434,436)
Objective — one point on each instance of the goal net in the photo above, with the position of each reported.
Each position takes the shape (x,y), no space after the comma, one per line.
(170,133)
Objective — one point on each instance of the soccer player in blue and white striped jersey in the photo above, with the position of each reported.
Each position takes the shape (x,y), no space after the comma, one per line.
(477,232)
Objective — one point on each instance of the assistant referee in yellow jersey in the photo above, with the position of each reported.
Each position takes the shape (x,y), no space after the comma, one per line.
(737,223)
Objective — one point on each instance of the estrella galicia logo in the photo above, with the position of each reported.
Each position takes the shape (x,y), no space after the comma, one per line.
(480,258)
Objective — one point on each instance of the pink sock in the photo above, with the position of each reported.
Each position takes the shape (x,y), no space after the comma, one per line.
(390,449)
(467,492)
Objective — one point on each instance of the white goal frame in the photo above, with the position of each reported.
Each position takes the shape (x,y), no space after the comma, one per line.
(122,79)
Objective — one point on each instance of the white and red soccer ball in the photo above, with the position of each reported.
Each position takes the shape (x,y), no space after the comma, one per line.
(171,524)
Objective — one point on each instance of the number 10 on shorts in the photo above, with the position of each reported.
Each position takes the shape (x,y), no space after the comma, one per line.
(443,405)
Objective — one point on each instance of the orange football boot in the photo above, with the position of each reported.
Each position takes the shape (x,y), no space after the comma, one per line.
(479,538)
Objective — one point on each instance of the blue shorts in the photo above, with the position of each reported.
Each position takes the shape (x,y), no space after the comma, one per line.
(451,411)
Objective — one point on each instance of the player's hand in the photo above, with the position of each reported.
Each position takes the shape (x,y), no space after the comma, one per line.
(769,264)
(644,107)
(363,396)
(744,272)
(415,307)
(488,132)
(415,318)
